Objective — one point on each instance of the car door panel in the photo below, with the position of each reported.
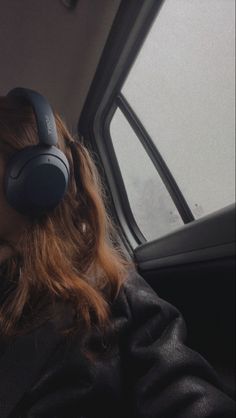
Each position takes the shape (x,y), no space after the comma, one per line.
(194,269)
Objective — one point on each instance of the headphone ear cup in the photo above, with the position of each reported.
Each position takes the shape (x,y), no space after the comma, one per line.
(36,179)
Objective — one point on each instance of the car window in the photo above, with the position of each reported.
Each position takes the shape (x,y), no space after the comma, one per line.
(150,202)
(181,88)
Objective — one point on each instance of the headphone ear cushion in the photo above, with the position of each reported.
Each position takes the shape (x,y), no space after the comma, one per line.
(36,179)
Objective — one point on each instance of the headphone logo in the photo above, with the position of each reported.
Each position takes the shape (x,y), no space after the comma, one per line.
(49,124)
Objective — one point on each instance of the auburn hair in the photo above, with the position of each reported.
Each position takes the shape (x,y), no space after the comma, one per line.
(72,254)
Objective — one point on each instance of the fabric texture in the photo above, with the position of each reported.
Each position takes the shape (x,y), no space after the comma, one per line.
(144,369)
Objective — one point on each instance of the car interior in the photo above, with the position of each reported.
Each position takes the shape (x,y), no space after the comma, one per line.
(79,54)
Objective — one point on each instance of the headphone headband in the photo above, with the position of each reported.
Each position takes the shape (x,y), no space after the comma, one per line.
(43,113)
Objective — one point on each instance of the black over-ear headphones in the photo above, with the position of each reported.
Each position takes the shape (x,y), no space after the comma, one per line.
(37,176)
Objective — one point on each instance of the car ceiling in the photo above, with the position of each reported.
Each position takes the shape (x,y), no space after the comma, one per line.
(49,48)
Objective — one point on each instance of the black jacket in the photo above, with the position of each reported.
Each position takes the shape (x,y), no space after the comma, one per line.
(149,372)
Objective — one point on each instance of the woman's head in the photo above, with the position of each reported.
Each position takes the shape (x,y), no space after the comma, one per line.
(71,253)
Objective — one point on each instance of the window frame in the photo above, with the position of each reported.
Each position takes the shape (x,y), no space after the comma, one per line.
(156,158)
(105,97)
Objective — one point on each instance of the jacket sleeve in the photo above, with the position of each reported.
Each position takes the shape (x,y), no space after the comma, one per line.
(165,378)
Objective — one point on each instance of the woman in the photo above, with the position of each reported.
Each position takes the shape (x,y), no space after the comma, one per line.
(81,333)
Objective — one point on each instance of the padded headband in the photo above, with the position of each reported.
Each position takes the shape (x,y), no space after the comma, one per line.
(46,126)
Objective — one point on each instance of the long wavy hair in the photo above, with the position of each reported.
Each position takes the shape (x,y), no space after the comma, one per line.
(72,254)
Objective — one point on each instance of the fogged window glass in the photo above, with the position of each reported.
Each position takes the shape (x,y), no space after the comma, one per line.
(182,89)
(150,202)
